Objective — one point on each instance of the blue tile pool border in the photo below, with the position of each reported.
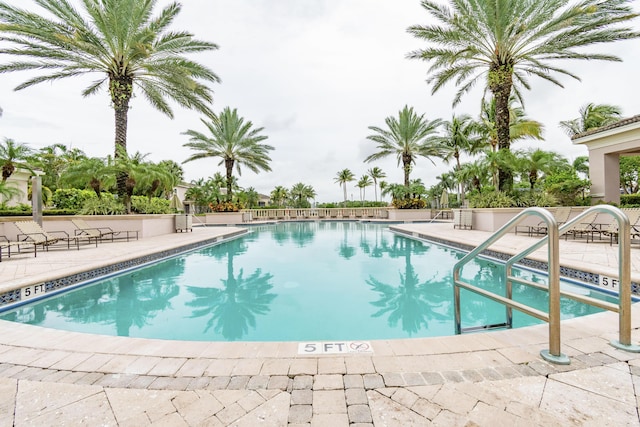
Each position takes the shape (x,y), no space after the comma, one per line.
(14,296)
(588,278)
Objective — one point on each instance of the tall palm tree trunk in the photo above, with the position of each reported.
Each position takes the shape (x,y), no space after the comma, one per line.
(500,84)
(121,89)
(375,189)
(344,186)
(406,166)
(228,163)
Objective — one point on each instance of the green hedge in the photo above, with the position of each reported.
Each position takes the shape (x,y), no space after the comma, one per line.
(46,212)
(629,199)
(72,198)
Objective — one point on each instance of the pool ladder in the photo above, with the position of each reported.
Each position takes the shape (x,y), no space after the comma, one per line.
(552,317)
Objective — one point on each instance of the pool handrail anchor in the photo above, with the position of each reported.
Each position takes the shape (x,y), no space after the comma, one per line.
(623,308)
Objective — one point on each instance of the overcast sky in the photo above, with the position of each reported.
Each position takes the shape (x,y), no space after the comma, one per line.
(315,74)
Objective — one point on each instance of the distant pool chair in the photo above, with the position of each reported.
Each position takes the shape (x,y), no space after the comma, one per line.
(31,231)
(84,229)
(634,221)
(561,216)
(6,244)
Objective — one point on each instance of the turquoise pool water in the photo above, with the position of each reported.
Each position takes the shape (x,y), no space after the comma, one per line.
(290,282)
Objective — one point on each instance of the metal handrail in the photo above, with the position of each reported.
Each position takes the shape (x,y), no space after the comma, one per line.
(553,316)
(623,308)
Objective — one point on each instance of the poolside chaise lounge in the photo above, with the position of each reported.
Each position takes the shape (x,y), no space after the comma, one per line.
(634,221)
(84,229)
(599,222)
(31,231)
(7,244)
(561,216)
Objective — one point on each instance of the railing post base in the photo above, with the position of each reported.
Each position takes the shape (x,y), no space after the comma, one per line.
(562,359)
(632,348)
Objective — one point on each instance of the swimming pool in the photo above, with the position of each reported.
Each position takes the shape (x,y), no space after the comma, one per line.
(290,282)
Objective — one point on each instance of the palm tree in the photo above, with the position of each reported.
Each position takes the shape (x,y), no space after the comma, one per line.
(520,126)
(376,173)
(53,160)
(504,41)
(344,176)
(533,162)
(592,116)
(234,141)
(93,172)
(175,171)
(13,155)
(279,195)
(363,183)
(7,192)
(581,165)
(407,137)
(300,194)
(120,41)
(474,173)
(461,136)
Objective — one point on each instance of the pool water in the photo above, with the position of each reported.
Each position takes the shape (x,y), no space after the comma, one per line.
(304,281)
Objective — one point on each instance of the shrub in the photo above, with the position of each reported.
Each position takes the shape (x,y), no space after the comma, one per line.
(102,206)
(409,203)
(157,205)
(72,198)
(536,198)
(629,199)
(226,207)
(492,199)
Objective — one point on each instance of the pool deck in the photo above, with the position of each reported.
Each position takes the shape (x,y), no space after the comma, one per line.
(50,377)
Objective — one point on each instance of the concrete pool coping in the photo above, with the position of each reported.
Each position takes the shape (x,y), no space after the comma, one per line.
(500,374)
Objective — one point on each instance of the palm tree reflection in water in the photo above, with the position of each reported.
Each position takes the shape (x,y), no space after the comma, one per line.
(411,302)
(130,300)
(233,308)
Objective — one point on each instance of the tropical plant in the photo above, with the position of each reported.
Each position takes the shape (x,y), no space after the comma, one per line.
(279,195)
(53,160)
(106,205)
(249,197)
(72,198)
(121,41)
(13,155)
(300,194)
(491,199)
(592,116)
(153,205)
(520,126)
(581,165)
(475,174)
(93,172)
(234,141)
(376,173)
(533,162)
(461,136)
(566,187)
(175,171)
(630,174)
(407,137)
(363,183)
(407,197)
(504,41)
(8,191)
(344,176)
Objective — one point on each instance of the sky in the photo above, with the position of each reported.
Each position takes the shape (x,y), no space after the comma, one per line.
(315,74)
